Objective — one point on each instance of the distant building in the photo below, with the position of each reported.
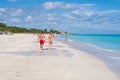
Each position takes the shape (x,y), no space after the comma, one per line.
(65,33)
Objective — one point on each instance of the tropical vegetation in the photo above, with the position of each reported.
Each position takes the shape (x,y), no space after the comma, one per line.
(15,29)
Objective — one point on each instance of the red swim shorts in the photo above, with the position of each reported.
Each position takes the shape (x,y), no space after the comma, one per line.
(41,42)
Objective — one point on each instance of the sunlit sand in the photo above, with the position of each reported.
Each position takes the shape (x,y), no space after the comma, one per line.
(20,59)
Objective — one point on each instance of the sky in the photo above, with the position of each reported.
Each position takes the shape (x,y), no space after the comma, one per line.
(74,16)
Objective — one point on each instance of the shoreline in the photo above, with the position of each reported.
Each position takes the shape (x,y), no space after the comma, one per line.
(65,63)
(110,57)
(90,40)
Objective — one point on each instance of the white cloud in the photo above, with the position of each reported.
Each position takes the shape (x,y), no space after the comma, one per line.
(64,16)
(63,5)
(15,20)
(17,12)
(69,6)
(50,16)
(86,5)
(28,19)
(109,17)
(89,13)
(2,10)
(83,13)
(2,14)
(48,5)
(68,16)
(52,5)
(76,12)
(102,13)
(76,6)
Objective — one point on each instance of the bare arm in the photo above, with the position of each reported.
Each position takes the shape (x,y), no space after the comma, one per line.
(44,37)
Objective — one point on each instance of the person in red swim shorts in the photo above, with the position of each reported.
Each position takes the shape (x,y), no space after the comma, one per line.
(41,42)
(41,39)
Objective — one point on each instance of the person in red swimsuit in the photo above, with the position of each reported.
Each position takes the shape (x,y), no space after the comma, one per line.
(41,39)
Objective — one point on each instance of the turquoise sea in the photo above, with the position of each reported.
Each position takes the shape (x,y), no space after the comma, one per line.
(104,46)
(106,41)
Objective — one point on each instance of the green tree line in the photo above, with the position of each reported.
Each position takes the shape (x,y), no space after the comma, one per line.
(15,29)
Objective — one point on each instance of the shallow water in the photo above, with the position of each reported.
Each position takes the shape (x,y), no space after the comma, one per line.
(110,57)
(106,41)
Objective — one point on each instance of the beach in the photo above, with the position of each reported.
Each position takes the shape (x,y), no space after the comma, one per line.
(20,59)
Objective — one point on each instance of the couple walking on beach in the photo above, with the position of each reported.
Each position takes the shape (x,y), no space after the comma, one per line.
(42,39)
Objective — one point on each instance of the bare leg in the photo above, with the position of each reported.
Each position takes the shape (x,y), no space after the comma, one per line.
(50,46)
(41,49)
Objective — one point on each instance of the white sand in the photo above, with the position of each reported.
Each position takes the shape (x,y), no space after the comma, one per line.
(65,63)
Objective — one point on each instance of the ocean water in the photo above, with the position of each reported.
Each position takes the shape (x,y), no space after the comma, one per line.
(106,41)
(103,46)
